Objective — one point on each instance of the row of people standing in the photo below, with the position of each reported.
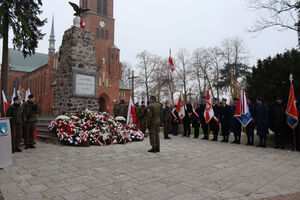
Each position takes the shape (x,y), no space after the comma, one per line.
(263,119)
(23,122)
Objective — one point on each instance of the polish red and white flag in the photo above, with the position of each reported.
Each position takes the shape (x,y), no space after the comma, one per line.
(209,111)
(5,103)
(180,108)
(131,115)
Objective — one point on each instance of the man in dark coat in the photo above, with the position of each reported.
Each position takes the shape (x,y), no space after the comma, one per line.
(175,121)
(235,124)
(187,118)
(202,119)
(195,119)
(17,119)
(278,122)
(251,126)
(262,121)
(224,120)
(214,123)
(166,119)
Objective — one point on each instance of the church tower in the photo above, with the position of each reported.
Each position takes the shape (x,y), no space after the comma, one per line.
(52,39)
(100,21)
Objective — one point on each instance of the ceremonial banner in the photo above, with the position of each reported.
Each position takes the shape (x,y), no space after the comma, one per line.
(291,109)
(242,110)
(180,108)
(209,112)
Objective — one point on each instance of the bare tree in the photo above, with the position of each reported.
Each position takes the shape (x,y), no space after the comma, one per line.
(284,14)
(182,69)
(217,60)
(126,72)
(202,66)
(235,54)
(147,65)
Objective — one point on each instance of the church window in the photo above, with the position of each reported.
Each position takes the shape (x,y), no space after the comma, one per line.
(16,83)
(102,34)
(97,33)
(85,3)
(106,82)
(116,56)
(99,6)
(112,56)
(100,82)
(104,7)
(106,34)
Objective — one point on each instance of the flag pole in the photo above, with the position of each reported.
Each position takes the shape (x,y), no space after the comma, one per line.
(172,82)
(208,130)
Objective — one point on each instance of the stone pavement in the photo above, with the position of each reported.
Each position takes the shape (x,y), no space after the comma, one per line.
(186,168)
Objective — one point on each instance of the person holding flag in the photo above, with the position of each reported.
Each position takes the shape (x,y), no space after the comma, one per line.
(202,118)
(242,113)
(214,123)
(196,119)
(208,113)
(292,112)
(235,125)
(175,120)
(251,126)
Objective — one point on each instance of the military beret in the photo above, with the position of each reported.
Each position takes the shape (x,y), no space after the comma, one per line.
(121,102)
(143,102)
(236,99)
(278,99)
(30,96)
(224,99)
(203,97)
(16,98)
(215,99)
(153,97)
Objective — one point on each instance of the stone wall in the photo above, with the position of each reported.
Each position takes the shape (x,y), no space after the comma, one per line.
(76,52)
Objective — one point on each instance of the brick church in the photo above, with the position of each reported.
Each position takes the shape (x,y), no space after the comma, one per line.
(38,72)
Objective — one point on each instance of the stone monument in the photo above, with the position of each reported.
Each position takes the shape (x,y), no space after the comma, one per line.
(76,81)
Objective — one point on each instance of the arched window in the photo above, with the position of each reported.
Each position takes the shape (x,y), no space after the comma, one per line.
(99,6)
(102,34)
(104,7)
(16,83)
(85,3)
(97,33)
(106,34)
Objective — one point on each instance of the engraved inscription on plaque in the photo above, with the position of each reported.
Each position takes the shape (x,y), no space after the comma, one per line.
(85,85)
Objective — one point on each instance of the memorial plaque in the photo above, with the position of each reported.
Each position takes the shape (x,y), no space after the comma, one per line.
(85,83)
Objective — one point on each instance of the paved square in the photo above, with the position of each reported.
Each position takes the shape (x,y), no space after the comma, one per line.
(186,168)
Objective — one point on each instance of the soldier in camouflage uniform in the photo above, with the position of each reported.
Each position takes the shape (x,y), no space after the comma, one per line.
(31,110)
(142,114)
(16,113)
(167,117)
(153,116)
(116,110)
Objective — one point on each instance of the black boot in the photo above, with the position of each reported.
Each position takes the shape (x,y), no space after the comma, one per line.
(260,142)
(235,139)
(152,150)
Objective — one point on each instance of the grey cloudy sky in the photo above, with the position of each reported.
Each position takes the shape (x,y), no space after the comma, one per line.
(158,25)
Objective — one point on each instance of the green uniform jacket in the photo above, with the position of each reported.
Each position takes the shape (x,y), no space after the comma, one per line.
(154,114)
(16,114)
(116,110)
(167,115)
(31,111)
